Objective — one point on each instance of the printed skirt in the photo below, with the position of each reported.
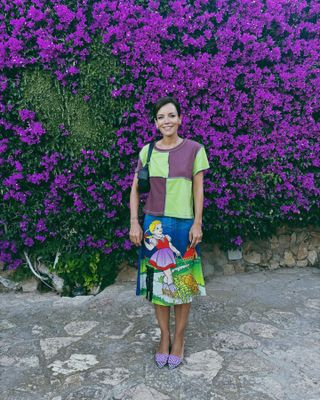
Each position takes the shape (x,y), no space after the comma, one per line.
(169,270)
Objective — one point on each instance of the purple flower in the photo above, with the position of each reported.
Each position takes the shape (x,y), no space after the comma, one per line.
(64,13)
(40,238)
(28,242)
(127,245)
(26,115)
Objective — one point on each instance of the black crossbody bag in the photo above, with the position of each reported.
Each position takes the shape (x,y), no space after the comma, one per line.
(143,174)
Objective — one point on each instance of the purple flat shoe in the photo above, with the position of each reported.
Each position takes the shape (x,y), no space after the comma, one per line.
(161,359)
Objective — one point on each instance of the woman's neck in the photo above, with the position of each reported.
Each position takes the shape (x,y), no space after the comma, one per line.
(169,142)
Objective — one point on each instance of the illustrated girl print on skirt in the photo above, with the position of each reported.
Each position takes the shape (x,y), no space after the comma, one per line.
(163,259)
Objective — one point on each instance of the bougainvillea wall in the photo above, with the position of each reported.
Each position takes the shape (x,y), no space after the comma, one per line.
(77,84)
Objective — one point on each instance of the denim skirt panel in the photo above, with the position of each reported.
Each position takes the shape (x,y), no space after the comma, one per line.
(169,270)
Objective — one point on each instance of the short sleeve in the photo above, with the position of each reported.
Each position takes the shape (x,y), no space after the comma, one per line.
(143,155)
(201,161)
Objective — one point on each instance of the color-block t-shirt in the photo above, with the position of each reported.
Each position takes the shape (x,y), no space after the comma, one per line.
(171,172)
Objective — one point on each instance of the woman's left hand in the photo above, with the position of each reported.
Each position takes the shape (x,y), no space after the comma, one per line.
(195,234)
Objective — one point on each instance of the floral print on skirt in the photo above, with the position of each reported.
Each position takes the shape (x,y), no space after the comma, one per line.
(169,270)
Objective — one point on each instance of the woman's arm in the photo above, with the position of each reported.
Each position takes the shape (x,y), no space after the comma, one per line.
(195,233)
(136,232)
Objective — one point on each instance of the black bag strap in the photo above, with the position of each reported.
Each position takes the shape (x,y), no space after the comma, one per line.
(149,152)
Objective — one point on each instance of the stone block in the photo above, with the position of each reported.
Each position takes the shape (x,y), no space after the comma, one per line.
(228,269)
(239,267)
(288,259)
(234,254)
(315,239)
(30,285)
(266,257)
(274,264)
(7,285)
(303,237)
(252,268)
(252,258)
(302,263)
(284,241)
(126,274)
(274,242)
(207,264)
(302,253)
(312,257)
(293,239)
(281,230)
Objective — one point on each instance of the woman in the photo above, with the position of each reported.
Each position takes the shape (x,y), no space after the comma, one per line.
(170,271)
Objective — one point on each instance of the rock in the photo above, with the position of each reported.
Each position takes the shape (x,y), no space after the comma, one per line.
(219,257)
(274,242)
(302,237)
(207,264)
(312,257)
(234,254)
(5,324)
(30,285)
(252,258)
(266,257)
(204,365)
(293,239)
(302,253)
(239,267)
(315,239)
(249,362)
(142,391)
(231,340)
(281,230)
(258,329)
(57,283)
(228,269)
(79,328)
(76,362)
(284,241)
(6,285)
(274,264)
(302,263)
(289,260)
(14,361)
(51,346)
(127,274)
(110,376)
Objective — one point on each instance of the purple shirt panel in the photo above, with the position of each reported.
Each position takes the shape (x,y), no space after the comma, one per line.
(156,198)
(181,161)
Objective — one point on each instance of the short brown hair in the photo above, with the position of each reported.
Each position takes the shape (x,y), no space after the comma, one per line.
(163,101)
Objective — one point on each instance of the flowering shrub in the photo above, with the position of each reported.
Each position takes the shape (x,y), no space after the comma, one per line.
(245,72)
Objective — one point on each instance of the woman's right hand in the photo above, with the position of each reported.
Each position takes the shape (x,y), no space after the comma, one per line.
(136,233)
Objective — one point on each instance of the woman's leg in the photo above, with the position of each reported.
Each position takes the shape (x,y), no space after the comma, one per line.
(181,312)
(163,317)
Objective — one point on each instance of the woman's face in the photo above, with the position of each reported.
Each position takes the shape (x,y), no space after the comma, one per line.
(167,120)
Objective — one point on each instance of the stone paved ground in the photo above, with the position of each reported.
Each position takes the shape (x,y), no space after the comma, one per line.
(255,336)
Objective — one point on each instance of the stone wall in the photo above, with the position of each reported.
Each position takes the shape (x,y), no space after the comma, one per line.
(289,247)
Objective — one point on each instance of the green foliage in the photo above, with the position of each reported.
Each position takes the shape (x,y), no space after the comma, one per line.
(88,270)
(21,274)
(91,123)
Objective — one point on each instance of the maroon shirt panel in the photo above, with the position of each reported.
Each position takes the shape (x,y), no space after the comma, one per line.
(156,198)
(181,161)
